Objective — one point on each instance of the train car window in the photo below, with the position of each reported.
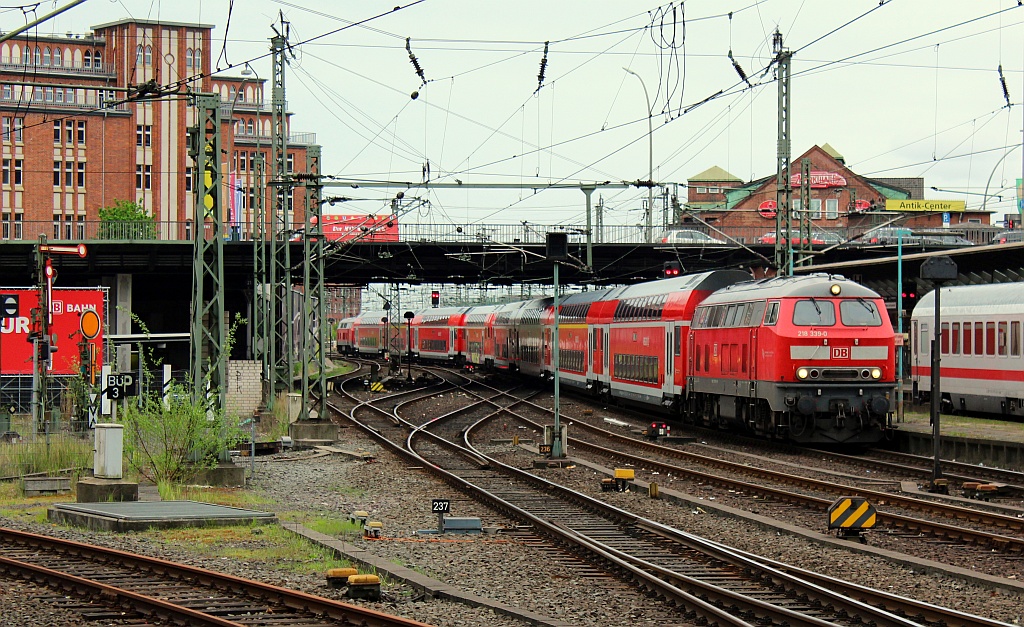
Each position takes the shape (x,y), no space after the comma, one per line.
(956,338)
(925,340)
(696,358)
(979,339)
(731,315)
(679,340)
(944,338)
(772,316)
(1001,338)
(814,313)
(1015,338)
(967,339)
(857,312)
(719,316)
(990,338)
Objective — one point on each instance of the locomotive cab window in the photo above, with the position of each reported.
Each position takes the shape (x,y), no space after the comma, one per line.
(859,313)
(814,313)
(772,316)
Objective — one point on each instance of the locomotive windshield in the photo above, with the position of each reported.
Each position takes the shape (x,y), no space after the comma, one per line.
(813,313)
(859,313)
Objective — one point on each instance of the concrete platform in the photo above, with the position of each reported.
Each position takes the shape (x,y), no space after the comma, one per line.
(142,515)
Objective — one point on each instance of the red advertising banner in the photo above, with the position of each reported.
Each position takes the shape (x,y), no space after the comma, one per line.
(365,228)
(820,179)
(66,307)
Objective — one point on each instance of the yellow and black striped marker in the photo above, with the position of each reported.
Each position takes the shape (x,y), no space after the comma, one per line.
(376,386)
(851,514)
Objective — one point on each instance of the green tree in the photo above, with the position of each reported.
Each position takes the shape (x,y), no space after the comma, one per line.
(126,219)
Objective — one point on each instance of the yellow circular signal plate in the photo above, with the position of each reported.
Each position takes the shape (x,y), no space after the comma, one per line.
(89,324)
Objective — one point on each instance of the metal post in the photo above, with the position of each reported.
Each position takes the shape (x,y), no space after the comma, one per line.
(557,450)
(590,229)
(899,325)
(936,392)
(649,214)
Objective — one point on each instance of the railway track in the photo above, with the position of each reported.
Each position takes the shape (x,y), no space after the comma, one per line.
(155,589)
(706,580)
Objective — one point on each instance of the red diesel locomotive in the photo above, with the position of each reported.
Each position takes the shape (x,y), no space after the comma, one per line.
(808,359)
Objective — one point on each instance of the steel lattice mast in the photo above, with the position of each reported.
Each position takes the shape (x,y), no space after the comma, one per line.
(282,353)
(208,324)
(314,335)
(783,185)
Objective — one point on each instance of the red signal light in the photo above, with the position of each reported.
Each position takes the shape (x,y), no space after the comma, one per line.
(435,298)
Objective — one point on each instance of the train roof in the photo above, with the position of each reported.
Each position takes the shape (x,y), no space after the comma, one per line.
(974,299)
(584,298)
(812,285)
(708,281)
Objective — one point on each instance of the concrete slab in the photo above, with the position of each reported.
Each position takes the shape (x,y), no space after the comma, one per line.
(98,490)
(142,515)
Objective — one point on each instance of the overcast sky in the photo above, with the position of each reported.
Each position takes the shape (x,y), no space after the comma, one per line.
(909,88)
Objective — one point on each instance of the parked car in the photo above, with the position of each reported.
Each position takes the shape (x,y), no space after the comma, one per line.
(690,236)
(816,239)
(889,236)
(1008,237)
(828,238)
(945,240)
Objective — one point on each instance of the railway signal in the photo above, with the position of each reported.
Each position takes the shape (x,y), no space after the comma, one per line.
(671,269)
(435,298)
(908,291)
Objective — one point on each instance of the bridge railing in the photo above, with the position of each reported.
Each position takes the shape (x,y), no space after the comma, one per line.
(521,233)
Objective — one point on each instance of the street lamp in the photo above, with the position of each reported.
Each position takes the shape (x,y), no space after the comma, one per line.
(650,155)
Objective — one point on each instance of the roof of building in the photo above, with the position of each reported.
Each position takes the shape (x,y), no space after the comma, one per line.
(832,152)
(128,20)
(715,173)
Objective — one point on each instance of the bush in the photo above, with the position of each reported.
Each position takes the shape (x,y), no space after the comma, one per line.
(126,220)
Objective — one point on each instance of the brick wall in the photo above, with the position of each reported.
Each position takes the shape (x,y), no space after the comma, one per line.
(244,387)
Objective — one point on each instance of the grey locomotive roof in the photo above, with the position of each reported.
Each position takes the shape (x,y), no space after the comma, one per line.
(812,285)
(973,298)
(713,280)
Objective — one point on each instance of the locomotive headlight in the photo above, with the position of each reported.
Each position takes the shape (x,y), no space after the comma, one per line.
(835,289)
(876,373)
(801,373)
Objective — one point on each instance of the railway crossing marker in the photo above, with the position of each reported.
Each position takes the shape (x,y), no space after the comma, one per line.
(850,516)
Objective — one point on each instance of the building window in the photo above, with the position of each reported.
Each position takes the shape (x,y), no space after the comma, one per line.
(138,134)
(815,208)
(87,61)
(138,54)
(6,129)
(19,167)
(26,55)
(46,55)
(56,226)
(81,133)
(70,96)
(97,61)
(8,92)
(18,230)
(701,190)
(19,125)
(49,94)
(143,177)
(57,60)
(37,94)
(241,161)
(290,163)
(56,173)
(69,225)
(81,227)
(69,132)
(713,190)
(69,173)
(249,128)
(796,204)
(81,174)
(58,95)
(56,131)
(148,58)
(188,179)
(831,208)
(197,60)
(6,172)
(6,220)
(37,58)
(231,94)
(188,58)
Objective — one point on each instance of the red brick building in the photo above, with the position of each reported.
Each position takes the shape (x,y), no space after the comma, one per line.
(840,199)
(72,145)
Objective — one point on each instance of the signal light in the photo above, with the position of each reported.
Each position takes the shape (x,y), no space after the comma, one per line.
(435,298)
(671,269)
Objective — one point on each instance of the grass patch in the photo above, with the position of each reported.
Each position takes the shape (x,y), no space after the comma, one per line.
(348,490)
(63,451)
(333,526)
(230,497)
(15,505)
(268,544)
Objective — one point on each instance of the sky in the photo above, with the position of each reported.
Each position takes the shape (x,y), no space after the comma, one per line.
(905,88)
